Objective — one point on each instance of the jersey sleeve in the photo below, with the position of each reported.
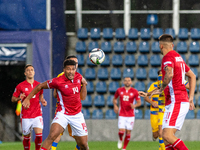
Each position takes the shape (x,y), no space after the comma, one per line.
(151,88)
(187,68)
(116,94)
(168,61)
(137,97)
(52,83)
(17,91)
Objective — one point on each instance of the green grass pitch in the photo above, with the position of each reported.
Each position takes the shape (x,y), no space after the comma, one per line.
(99,145)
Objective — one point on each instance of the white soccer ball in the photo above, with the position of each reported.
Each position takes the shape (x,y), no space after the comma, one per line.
(97,56)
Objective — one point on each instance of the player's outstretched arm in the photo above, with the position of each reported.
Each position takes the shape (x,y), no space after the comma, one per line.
(15,99)
(83,92)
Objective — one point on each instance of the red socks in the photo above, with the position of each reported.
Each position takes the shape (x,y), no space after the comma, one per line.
(38,141)
(121,133)
(179,145)
(169,147)
(26,143)
(43,148)
(126,140)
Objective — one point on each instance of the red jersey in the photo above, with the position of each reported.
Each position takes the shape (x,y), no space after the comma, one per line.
(125,98)
(35,108)
(175,92)
(68,93)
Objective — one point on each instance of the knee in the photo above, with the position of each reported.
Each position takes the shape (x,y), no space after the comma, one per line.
(155,135)
(165,136)
(83,145)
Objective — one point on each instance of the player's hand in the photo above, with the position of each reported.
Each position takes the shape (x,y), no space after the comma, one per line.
(83,81)
(116,109)
(142,94)
(22,95)
(154,104)
(132,106)
(26,103)
(192,107)
(44,102)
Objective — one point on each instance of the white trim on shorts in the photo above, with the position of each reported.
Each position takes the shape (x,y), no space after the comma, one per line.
(126,122)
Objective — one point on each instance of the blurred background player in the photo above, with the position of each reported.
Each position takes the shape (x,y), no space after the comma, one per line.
(31,118)
(127,96)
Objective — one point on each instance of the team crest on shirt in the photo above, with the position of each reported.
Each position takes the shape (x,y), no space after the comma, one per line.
(66,86)
(78,81)
(26,89)
(122,93)
(131,94)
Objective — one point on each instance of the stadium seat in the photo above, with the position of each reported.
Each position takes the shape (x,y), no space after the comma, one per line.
(190,115)
(147,104)
(106,61)
(140,86)
(87,102)
(118,47)
(113,86)
(97,114)
(183,34)
(155,47)
(145,33)
(155,60)
(152,19)
(142,60)
(99,101)
(102,74)
(90,73)
(120,34)
(195,33)
(157,32)
(184,57)
(131,47)
(153,73)
(195,71)
(117,60)
(110,100)
(182,47)
(194,47)
(92,45)
(193,60)
(128,72)
(108,33)
(81,61)
(147,114)
(133,34)
(106,47)
(80,47)
(144,47)
(82,33)
(89,63)
(86,113)
(90,87)
(129,60)
(110,114)
(138,114)
(142,101)
(171,32)
(198,114)
(115,74)
(79,70)
(141,74)
(101,87)
(95,33)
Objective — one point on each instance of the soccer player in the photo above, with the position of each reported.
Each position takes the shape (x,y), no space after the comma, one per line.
(127,96)
(69,106)
(31,118)
(177,102)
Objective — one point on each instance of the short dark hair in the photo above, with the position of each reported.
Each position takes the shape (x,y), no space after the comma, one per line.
(158,71)
(71,56)
(28,65)
(166,38)
(68,62)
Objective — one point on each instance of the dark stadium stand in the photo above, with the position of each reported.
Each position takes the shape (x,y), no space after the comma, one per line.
(120,34)
(110,100)
(157,32)
(118,47)
(129,60)
(145,33)
(110,114)
(99,101)
(190,115)
(183,34)
(86,113)
(82,33)
(97,114)
(128,72)
(182,47)
(138,114)
(90,87)
(131,47)
(194,47)
(102,74)
(133,34)
(108,33)
(147,114)
(95,33)
(155,47)
(141,74)
(113,86)
(81,47)
(144,47)
(195,33)
(87,102)
(106,46)
(115,74)
(171,32)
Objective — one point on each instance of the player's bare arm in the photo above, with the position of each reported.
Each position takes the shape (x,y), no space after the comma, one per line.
(138,104)
(55,93)
(116,109)
(42,100)
(16,99)
(144,94)
(154,104)
(83,92)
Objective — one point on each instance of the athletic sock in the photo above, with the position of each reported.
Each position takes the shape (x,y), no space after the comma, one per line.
(42,148)
(38,141)
(54,146)
(121,133)
(179,145)
(161,143)
(126,140)
(26,143)
(77,147)
(169,147)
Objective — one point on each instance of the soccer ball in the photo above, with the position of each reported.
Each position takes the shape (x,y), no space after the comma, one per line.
(97,56)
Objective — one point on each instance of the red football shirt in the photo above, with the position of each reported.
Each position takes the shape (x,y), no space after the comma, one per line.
(68,93)
(125,98)
(175,92)
(35,108)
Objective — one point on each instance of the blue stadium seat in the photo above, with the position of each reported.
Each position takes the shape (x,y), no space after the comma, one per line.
(182,47)
(81,61)
(140,86)
(131,47)
(195,71)
(115,74)
(106,61)
(190,115)
(113,86)
(99,101)
(194,47)
(138,114)
(92,45)
(118,47)
(142,101)
(171,32)
(195,33)
(82,33)
(108,33)
(120,34)
(117,60)
(95,33)
(155,60)
(97,114)
(101,87)
(198,114)
(106,47)
(184,57)
(144,47)
(129,60)
(128,72)
(79,70)
(90,73)
(87,102)
(110,100)
(133,34)
(89,63)
(183,34)
(153,73)
(194,91)
(102,74)
(110,114)
(141,74)
(152,19)
(142,60)
(90,87)
(86,113)
(145,33)
(147,104)
(157,32)
(193,60)
(80,47)
(147,114)
(155,47)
